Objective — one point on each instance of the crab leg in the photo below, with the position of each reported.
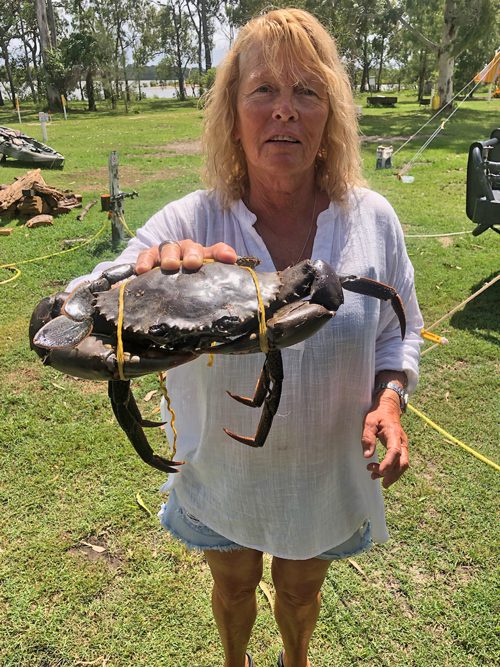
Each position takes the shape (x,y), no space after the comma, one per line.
(129,417)
(369,287)
(267,391)
(261,389)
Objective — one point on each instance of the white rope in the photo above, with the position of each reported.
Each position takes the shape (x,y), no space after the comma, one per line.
(439,112)
(433,236)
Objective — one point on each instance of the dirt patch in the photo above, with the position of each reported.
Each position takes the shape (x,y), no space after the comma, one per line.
(86,386)
(95,549)
(97,179)
(17,380)
(192,147)
(446,241)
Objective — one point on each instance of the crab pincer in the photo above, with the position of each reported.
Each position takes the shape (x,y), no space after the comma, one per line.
(129,417)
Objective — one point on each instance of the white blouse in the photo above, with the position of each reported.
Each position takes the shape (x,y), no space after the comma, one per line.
(308,489)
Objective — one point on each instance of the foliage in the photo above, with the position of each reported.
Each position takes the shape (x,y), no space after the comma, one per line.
(381,41)
(209,78)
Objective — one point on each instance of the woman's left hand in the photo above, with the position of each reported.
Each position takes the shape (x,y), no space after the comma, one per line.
(383,421)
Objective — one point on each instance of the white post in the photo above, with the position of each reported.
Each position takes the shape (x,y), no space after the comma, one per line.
(43,118)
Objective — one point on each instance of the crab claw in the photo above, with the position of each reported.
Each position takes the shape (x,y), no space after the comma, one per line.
(129,417)
(62,332)
(381,291)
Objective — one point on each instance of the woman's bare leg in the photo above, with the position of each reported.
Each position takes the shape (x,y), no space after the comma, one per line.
(297,584)
(236,575)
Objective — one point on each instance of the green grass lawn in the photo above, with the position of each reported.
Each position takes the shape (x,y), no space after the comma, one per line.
(69,477)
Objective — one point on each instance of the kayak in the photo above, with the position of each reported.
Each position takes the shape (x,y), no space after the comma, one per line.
(21,147)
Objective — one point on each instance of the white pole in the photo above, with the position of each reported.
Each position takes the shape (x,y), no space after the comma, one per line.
(43,118)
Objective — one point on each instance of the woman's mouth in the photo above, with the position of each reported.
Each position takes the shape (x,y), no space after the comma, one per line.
(284,138)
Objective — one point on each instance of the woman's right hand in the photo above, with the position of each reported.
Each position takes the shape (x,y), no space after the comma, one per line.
(169,255)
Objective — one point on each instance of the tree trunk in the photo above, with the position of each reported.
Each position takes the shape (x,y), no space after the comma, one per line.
(51,19)
(446,60)
(176,20)
(24,39)
(46,44)
(124,68)
(380,65)
(206,35)
(8,71)
(365,76)
(89,89)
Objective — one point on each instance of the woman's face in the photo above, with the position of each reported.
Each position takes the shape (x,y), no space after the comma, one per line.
(279,121)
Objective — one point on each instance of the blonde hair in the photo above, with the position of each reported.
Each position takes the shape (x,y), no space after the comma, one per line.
(297,38)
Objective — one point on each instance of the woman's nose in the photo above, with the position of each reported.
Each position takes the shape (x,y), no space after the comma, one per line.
(285,109)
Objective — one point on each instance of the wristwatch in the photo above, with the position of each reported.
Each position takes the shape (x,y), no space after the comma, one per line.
(402,393)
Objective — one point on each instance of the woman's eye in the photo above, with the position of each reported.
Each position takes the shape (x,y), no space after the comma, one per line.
(264,88)
(303,90)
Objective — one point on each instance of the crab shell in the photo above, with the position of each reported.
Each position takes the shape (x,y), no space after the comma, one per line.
(189,308)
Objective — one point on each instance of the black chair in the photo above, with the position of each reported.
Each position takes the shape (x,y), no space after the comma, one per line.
(483,184)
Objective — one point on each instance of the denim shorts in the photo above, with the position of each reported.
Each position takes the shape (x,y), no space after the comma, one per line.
(195,535)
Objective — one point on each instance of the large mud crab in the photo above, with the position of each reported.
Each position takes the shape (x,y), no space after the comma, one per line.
(172,318)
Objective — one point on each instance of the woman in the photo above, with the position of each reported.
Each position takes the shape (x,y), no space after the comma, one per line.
(283,169)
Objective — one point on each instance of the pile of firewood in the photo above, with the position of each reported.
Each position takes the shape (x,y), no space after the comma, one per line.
(30,197)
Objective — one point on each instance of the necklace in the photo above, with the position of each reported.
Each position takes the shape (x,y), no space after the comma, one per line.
(311,226)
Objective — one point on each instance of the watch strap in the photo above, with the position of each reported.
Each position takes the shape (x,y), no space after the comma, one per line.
(400,391)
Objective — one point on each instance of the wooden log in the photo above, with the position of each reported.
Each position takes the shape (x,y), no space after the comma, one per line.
(66,205)
(14,192)
(87,208)
(10,211)
(6,231)
(40,221)
(30,206)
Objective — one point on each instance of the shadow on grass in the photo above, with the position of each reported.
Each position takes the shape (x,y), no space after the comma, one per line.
(28,166)
(480,315)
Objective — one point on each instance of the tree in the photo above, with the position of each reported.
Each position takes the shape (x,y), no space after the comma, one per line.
(177,40)
(144,39)
(48,44)
(81,54)
(461,23)
(7,24)
(202,14)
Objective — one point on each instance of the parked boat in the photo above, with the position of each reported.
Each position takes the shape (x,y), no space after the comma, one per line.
(19,146)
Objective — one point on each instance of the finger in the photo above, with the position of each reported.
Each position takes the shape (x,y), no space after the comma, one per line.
(147,259)
(391,458)
(192,254)
(170,255)
(221,252)
(393,473)
(369,438)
